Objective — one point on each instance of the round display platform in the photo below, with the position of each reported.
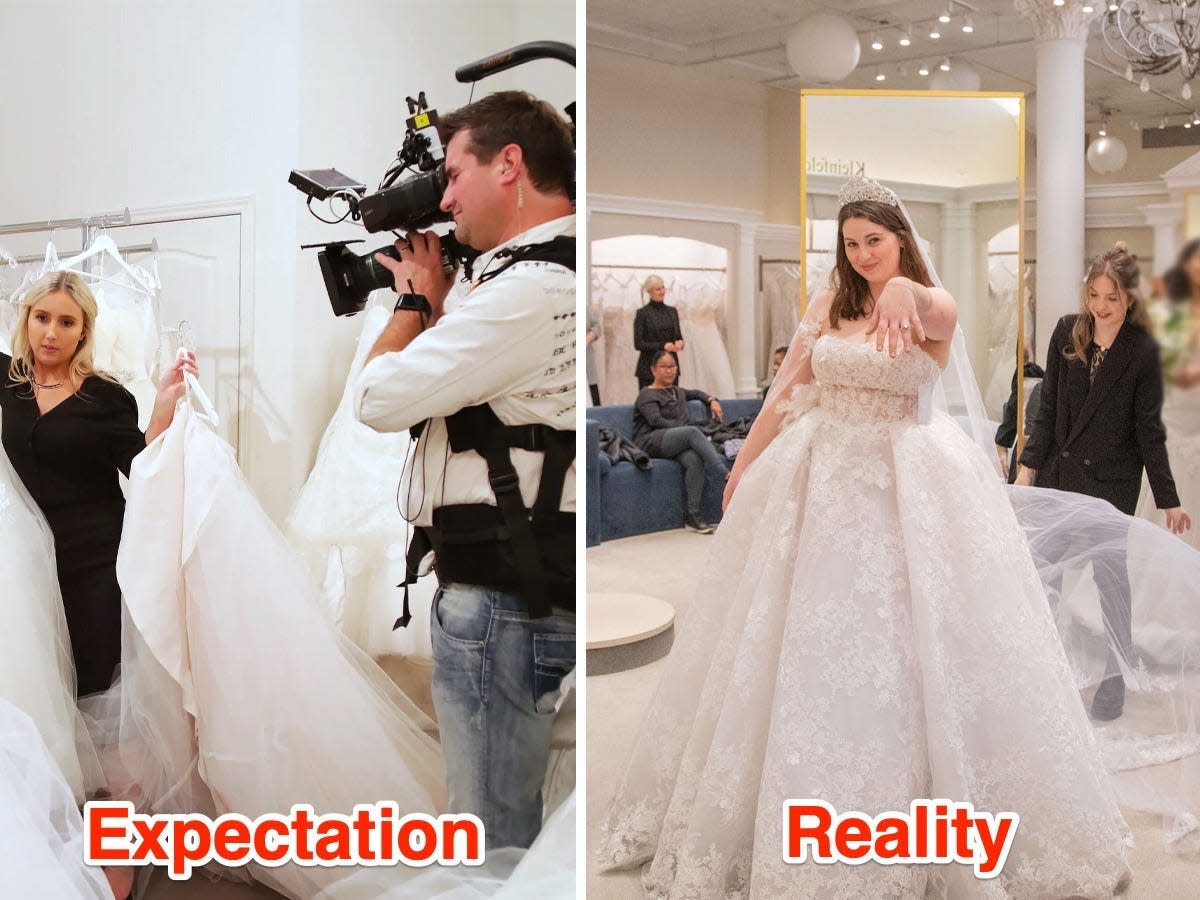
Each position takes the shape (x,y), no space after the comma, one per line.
(614,620)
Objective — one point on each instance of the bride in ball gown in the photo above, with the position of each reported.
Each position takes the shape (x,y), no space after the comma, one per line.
(872,628)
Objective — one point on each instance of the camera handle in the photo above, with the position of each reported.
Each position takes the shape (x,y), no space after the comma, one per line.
(515,56)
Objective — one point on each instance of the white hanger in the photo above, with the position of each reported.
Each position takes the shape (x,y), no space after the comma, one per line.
(104,244)
(7,258)
(194,390)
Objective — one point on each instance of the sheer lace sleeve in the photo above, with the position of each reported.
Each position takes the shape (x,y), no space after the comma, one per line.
(792,392)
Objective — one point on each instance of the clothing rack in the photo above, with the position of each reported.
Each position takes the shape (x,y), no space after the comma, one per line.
(151,247)
(89,225)
(762,261)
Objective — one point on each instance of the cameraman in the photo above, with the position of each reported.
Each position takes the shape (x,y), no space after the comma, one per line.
(491,485)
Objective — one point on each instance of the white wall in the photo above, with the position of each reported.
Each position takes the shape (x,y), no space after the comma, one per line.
(134,103)
(691,134)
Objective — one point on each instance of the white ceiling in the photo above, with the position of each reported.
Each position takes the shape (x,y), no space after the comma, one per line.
(746,40)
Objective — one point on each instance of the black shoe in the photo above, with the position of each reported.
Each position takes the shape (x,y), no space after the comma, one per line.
(1109,702)
(698,525)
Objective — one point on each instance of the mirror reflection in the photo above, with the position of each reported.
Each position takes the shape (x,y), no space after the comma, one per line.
(956,161)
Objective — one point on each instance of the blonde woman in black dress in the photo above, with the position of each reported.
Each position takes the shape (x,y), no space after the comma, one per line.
(68,429)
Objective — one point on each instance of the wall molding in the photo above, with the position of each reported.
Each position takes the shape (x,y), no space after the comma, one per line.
(652,207)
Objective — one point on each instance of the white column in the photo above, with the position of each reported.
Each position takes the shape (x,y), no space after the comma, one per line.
(1061,34)
(742,305)
(957,266)
(1167,221)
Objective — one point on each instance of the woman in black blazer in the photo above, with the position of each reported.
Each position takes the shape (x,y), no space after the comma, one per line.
(1099,425)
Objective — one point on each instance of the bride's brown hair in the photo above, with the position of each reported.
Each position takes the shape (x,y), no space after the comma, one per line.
(852,294)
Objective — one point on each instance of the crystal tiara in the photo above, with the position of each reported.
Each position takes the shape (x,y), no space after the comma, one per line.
(859,188)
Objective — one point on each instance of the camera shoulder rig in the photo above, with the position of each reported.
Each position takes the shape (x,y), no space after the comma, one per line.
(531,551)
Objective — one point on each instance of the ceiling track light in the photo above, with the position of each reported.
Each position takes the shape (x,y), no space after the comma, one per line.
(1104,128)
(879,76)
(945,16)
(1088,8)
(923,69)
(906,36)
(934,32)
(944,65)
(876,43)
(967,26)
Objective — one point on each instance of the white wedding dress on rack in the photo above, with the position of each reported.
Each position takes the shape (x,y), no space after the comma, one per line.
(872,629)
(347,525)
(1181,418)
(699,297)
(781,307)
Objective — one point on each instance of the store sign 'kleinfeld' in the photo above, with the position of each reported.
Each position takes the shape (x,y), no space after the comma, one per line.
(823,165)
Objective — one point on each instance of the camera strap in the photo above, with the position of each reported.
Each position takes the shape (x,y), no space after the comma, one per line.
(560,250)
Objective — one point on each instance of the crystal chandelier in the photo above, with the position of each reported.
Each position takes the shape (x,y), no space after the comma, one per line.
(1155,37)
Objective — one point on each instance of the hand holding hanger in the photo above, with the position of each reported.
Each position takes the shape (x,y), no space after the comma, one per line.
(171,387)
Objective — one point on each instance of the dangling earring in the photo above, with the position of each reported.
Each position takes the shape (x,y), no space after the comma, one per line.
(520,195)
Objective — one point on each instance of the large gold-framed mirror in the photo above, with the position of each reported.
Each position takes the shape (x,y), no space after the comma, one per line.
(957,160)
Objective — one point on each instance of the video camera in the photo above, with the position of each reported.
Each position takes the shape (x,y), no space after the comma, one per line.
(414,202)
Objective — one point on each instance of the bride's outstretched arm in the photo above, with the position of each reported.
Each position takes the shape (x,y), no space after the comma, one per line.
(795,370)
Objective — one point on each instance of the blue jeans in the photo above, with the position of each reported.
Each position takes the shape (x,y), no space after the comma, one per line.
(496,678)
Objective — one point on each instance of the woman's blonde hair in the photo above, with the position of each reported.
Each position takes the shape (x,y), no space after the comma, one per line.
(651,282)
(82,363)
(1121,266)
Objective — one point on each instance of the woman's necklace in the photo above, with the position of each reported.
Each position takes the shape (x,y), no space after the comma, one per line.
(47,387)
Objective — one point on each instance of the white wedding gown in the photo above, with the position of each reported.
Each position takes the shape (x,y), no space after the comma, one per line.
(1181,417)
(347,525)
(872,629)
(37,675)
(41,832)
(236,692)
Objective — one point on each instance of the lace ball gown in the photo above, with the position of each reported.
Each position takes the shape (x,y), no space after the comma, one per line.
(872,630)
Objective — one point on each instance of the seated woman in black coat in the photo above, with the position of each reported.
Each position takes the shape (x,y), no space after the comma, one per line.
(660,427)
(1099,425)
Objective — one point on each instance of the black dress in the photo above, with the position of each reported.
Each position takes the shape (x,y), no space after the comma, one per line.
(654,325)
(68,459)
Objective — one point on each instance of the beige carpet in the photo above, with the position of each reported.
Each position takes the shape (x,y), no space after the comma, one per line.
(668,565)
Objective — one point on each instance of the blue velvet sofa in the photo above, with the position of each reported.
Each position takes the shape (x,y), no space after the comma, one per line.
(623,500)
